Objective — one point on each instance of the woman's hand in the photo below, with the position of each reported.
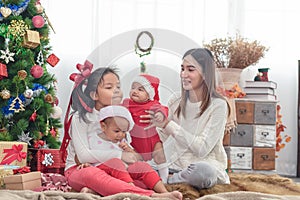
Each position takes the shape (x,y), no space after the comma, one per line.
(84,165)
(155,119)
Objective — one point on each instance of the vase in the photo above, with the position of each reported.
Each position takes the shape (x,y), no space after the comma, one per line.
(228,77)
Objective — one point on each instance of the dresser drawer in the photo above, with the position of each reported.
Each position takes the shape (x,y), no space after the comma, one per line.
(264,158)
(244,112)
(239,157)
(264,136)
(265,113)
(242,135)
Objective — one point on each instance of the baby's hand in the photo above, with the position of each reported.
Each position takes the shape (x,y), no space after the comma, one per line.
(123,145)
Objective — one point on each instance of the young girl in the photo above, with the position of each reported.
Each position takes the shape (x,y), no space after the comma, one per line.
(196,124)
(102,89)
(144,96)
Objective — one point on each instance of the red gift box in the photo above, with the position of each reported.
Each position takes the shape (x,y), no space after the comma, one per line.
(52,60)
(46,161)
(3,70)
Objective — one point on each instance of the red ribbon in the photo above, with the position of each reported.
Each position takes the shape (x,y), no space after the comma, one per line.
(15,153)
(22,170)
(85,71)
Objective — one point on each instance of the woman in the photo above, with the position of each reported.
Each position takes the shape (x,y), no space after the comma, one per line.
(102,89)
(196,125)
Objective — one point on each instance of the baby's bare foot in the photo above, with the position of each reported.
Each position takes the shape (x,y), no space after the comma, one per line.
(87,190)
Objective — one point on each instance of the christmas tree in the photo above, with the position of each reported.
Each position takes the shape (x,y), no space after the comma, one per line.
(29,111)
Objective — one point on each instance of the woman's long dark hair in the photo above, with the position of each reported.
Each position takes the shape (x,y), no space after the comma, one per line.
(205,59)
(81,99)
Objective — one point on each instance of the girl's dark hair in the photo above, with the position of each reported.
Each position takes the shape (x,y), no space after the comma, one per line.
(81,99)
(205,59)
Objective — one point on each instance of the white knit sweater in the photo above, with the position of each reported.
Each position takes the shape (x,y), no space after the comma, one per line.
(193,139)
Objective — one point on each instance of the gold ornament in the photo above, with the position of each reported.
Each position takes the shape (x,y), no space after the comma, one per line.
(49,98)
(22,74)
(31,39)
(16,105)
(39,8)
(5,94)
(5,11)
(17,28)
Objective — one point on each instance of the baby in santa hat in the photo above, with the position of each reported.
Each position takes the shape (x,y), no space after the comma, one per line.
(144,97)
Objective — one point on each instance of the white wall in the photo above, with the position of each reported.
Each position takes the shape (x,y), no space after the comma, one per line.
(81,26)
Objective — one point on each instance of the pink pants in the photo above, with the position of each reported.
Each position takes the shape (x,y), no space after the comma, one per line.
(105,182)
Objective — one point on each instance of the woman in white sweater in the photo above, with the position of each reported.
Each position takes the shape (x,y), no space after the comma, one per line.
(196,123)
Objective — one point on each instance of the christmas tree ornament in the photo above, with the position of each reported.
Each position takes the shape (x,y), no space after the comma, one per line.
(17,28)
(39,8)
(3,71)
(48,21)
(53,132)
(37,71)
(31,39)
(47,128)
(15,9)
(56,112)
(24,137)
(33,116)
(16,105)
(5,11)
(40,59)
(38,21)
(5,94)
(7,55)
(22,74)
(28,93)
(52,59)
(49,98)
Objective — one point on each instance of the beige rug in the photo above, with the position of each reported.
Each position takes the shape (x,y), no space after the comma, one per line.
(261,183)
(242,187)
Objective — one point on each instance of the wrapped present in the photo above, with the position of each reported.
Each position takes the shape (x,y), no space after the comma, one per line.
(28,181)
(46,161)
(52,60)
(31,39)
(13,153)
(3,71)
(4,171)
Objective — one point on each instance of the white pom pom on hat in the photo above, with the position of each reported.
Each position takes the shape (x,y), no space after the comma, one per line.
(150,83)
(116,111)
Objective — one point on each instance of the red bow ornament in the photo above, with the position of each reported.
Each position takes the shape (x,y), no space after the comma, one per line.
(85,71)
(22,170)
(15,153)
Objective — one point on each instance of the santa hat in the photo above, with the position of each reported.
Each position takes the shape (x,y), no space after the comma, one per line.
(150,83)
(116,111)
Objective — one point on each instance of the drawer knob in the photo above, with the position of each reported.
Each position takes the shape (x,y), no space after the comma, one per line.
(241,133)
(265,134)
(264,157)
(240,155)
(242,110)
(265,112)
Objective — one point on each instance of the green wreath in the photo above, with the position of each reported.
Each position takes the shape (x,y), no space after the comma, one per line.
(146,51)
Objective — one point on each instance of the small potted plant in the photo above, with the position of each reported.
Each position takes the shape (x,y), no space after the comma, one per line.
(233,54)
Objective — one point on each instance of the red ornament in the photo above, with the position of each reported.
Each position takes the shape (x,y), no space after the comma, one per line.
(38,144)
(37,71)
(33,116)
(52,60)
(3,71)
(38,21)
(53,132)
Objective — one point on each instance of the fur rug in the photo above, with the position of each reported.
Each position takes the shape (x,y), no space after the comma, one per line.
(268,184)
(242,187)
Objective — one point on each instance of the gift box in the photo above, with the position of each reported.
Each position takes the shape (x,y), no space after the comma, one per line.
(13,153)
(46,161)
(52,60)
(3,173)
(31,39)
(28,181)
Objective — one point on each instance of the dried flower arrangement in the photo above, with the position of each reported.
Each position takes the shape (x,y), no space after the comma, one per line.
(280,140)
(236,52)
